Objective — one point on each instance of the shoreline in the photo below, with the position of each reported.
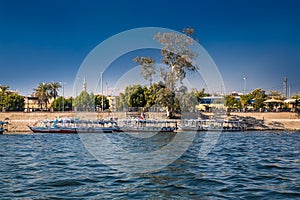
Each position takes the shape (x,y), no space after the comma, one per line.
(277,121)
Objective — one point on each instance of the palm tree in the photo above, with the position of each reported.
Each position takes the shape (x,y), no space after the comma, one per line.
(53,87)
(42,92)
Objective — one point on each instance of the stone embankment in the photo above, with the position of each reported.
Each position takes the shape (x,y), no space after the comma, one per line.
(19,121)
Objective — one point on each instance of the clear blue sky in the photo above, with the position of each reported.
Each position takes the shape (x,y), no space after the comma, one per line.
(44,41)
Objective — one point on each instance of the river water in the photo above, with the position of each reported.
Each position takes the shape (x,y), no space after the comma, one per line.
(246,165)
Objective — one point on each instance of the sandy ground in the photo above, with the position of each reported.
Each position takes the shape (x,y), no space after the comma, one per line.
(273,120)
(18,121)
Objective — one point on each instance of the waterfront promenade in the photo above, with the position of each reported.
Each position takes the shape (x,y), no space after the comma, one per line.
(18,121)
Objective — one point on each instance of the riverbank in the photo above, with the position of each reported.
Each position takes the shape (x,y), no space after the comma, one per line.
(18,121)
(271,120)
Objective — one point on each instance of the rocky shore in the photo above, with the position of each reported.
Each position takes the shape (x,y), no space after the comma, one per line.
(287,121)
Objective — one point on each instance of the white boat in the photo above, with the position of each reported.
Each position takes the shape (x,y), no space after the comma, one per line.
(74,126)
(149,125)
(212,125)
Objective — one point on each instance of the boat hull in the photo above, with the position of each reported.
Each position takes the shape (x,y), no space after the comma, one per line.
(52,130)
(164,129)
(71,130)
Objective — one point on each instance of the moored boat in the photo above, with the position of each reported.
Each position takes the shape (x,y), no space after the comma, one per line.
(74,126)
(149,125)
(212,125)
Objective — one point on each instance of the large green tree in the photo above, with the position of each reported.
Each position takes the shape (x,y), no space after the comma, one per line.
(151,94)
(166,98)
(135,96)
(84,102)
(10,101)
(245,100)
(57,104)
(13,102)
(178,58)
(231,102)
(259,96)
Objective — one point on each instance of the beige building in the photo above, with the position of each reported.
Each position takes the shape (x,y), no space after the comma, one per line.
(31,104)
(112,103)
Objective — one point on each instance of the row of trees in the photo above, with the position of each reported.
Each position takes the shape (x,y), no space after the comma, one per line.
(90,102)
(158,95)
(256,99)
(257,95)
(11,101)
(83,102)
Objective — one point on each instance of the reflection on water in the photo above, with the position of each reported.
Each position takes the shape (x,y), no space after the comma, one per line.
(241,166)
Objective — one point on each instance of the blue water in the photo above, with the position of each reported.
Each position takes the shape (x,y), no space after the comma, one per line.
(248,165)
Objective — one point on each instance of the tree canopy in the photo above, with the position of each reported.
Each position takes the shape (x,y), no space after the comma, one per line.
(84,102)
(10,101)
(46,91)
(57,104)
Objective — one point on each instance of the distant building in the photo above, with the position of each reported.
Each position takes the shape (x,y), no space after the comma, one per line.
(31,103)
(213,102)
(112,103)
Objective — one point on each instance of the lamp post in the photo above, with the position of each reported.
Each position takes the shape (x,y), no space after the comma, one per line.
(63,99)
(245,80)
(102,106)
(63,96)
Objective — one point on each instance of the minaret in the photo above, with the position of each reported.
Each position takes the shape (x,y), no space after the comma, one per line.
(84,85)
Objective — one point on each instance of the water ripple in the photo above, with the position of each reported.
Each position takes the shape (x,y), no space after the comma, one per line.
(249,165)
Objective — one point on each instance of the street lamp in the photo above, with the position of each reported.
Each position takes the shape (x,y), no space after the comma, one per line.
(63,96)
(102,90)
(245,80)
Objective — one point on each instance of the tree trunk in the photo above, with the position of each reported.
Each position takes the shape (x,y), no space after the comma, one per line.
(169,113)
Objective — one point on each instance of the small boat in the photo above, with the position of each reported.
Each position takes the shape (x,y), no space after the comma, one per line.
(74,126)
(149,125)
(3,126)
